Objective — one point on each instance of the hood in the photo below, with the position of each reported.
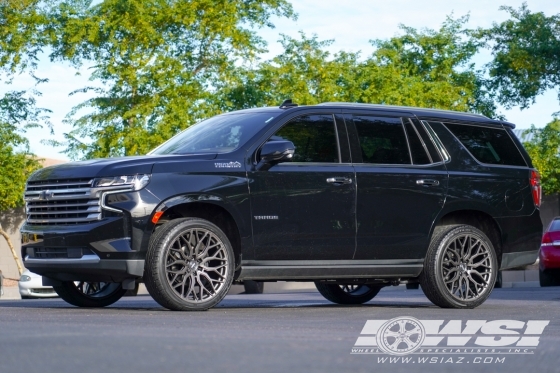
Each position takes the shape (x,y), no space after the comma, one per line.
(110,166)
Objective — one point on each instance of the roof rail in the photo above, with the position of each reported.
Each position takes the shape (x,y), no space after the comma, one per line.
(288,104)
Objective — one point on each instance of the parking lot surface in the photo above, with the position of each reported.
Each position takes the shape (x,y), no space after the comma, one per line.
(284,332)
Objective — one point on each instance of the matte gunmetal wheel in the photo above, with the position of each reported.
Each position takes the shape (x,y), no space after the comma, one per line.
(189,265)
(460,268)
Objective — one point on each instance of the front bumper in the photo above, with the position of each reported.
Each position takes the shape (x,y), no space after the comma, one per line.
(98,251)
(87,268)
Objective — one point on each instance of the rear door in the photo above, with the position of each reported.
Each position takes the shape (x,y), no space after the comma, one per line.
(401,185)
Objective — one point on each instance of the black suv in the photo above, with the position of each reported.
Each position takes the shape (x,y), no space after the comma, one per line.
(353,197)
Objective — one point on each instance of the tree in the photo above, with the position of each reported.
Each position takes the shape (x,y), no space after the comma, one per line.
(526,56)
(21,40)
(424,68)
(428,68)
(544,150)
(154,64)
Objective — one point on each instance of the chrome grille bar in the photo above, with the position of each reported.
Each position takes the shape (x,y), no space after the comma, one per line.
(62,202)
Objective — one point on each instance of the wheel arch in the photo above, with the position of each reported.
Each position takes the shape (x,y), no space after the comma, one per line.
(478,219)
(215,213)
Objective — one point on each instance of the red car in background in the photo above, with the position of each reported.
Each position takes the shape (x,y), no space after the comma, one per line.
(549,255)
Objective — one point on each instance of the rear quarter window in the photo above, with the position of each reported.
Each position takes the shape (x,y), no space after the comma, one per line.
(488,145)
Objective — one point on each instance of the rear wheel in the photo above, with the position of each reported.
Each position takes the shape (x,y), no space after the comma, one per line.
(347,293)
(460,268)
(90,294)
(549,277)
(189,265)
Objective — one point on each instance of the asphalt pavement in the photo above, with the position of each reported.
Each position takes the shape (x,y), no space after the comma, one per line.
(287,332)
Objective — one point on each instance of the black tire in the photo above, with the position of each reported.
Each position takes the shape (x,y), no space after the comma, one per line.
(347,294)
(253,287)
(168,262)
(448,246)
(549,277)
(90,294)
(499,282)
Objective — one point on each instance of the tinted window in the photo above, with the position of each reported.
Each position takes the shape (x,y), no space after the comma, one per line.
(554,226)
(382,140)
(314,137)
(488,145)
(436,157)
(219,134)
(417,148)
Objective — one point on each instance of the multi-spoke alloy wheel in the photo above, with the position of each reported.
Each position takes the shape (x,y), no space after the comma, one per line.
(189,265)
(196,265)
(90,294)
(460,267)
(347,293)
(466,267)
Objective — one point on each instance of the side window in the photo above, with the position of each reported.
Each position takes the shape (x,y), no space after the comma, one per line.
(314,137)
(488,145)
(382,140)
(417,148)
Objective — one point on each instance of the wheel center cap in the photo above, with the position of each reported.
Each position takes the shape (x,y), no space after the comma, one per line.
(463,267)
(192,265)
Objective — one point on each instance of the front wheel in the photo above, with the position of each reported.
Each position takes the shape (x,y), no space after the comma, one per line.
(90,294)
(189,265)
(460,268)
(347,293)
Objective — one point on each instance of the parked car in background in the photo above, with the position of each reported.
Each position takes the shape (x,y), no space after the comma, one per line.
(31,286)
(549,255)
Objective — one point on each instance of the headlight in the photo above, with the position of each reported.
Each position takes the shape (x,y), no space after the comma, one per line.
(24,278)
(137,182)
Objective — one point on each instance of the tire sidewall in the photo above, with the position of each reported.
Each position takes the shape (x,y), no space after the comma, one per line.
(162,243)
(442,246)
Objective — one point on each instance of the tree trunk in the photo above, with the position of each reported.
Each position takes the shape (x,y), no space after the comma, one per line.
(14,253)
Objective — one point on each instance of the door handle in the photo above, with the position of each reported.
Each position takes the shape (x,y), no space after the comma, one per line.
(427,182)
(339,180)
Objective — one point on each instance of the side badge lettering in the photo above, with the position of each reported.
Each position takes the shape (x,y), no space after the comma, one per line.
(228,165)
(266,217)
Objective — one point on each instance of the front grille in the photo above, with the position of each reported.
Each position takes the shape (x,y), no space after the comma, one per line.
(57,252)
(43,291)
(61,202)
(48,253)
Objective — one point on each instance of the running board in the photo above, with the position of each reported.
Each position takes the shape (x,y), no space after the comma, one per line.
(276,270)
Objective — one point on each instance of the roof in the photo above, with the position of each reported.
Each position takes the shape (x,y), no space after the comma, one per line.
(423,113)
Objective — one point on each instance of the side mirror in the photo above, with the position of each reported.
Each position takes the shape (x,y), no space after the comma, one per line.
(274,152)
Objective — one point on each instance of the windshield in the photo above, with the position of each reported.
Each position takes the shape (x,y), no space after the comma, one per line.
(219,134)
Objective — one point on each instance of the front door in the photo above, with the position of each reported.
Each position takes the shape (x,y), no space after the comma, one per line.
(305,209)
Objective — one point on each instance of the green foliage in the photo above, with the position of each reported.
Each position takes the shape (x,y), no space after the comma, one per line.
(425,68)
(154,63)
(544,149)
(17,113)
(526,56)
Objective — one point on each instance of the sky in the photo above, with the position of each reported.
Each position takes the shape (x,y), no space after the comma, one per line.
(351,23)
